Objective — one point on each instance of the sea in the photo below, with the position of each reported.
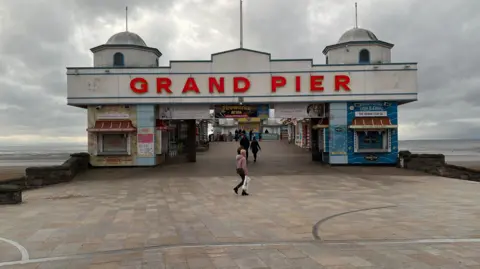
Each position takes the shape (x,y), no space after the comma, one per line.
(455,151)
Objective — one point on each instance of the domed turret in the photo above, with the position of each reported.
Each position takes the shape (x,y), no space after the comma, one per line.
(357,34)
(125,49)
(126,38)
(358,46)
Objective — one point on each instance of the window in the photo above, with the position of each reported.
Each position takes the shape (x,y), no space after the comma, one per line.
(372,141)
(118,59)
(364,57)
(114,144)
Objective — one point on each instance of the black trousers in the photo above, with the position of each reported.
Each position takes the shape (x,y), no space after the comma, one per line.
(242,176)
(254,154)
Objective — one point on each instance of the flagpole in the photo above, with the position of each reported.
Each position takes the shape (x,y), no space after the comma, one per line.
(356,16)
(126,18)
(241,23)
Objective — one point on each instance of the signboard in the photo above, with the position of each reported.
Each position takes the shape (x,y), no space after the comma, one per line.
(184,112)
(113,116)
(145,142)
(241,111)
(300,110)
(370,113)
(371,157)
(199,84)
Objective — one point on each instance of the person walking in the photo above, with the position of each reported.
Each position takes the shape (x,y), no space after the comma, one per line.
(245,143)
(242,170)
(250,134)
(255,146)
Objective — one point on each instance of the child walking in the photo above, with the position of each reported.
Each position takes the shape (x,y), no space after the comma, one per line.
(242,170)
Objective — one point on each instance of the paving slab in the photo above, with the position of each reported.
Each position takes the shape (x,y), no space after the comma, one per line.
(300,214)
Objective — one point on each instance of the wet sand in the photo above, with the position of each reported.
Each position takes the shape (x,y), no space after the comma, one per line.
(468,164)
(9,172)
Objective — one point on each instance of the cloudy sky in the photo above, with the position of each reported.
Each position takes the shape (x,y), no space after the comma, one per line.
(39,38)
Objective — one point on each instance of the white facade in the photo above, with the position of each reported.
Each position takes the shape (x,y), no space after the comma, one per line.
(366,82)
(132,57)
(350,54)
(358,46)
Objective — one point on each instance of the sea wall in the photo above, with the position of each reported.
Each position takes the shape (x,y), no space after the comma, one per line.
(47,175)
(435,164)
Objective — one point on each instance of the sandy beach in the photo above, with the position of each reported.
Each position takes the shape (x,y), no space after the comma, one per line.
(11,172)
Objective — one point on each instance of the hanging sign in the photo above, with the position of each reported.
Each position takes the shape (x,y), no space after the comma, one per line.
(241,111)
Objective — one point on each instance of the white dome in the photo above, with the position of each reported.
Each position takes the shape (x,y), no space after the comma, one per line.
(357,34)
(126,38)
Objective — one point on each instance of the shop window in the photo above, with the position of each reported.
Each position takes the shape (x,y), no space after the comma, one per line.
(364,57)
(371,141)
(114,144)
(118,59)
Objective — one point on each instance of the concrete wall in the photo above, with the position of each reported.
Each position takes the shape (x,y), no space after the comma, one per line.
(435,164)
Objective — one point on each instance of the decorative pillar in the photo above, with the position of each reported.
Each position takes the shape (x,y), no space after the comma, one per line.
(338,138)
(145,141)
(191,141)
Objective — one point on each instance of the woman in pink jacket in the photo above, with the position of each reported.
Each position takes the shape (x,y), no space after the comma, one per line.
(242,170)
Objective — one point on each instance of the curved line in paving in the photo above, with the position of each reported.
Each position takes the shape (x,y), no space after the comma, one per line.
(244,244)
(320,222)
(23,251)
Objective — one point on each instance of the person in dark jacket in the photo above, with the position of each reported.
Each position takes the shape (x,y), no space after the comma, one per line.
(250,134)
(255,146)
(245,143)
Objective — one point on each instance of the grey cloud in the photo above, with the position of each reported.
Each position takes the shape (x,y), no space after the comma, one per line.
(41,38)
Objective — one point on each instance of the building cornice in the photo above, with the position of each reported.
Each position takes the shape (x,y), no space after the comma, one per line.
(358,43)
(117,46)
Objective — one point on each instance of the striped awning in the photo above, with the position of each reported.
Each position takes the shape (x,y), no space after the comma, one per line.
(113,126)
(372,123)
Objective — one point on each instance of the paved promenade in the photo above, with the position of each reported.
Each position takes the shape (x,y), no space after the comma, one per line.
(299,215)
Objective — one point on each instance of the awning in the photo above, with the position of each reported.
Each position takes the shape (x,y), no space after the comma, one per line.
(113,126)
(372,123)
(319,126)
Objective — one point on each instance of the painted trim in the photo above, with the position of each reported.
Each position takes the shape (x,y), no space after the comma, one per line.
(374,127)
(357,43)
(235,96)
(273,60)
(121,130)
(243,72)
(126,46)
(399,101)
